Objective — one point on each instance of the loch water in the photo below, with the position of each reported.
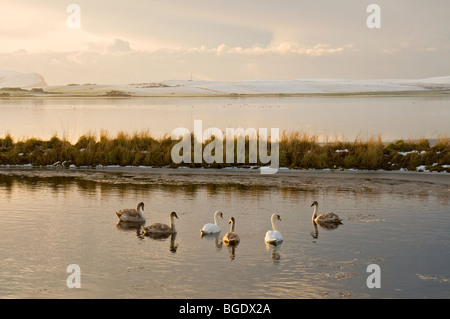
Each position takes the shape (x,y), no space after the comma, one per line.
(400,222)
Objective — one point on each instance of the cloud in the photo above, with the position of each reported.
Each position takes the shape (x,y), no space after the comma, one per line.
(281,48)
(119,45)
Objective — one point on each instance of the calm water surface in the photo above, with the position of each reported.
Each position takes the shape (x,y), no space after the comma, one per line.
(343,117)
(50,223)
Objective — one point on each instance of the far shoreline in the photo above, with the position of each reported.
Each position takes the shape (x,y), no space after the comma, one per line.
(247,88)
(126,96)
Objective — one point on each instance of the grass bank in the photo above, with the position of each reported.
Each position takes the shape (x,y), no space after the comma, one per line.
(298,151)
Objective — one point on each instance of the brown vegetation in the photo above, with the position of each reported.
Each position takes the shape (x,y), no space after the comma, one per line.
(295,151)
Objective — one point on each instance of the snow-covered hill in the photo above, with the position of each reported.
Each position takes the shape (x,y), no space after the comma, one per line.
(12,79)
(22,80)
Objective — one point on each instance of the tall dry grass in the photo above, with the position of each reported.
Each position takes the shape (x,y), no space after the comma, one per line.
(296,150)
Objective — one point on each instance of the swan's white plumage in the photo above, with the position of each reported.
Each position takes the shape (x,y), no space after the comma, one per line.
(273,236)
(210,228)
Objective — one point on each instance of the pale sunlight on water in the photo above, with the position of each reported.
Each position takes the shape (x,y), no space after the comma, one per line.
(342,117)
(50,223)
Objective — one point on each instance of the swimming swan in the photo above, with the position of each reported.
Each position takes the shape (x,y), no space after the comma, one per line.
(231,238)
(212,228)
(273,236)
(131,214)
(159,228)
(325,218)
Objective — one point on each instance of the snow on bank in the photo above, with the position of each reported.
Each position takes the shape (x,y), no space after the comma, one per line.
(261,87)
(220,88)
(300,86)
(13,79)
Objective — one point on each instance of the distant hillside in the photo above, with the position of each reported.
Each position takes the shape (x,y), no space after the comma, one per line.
(15,79)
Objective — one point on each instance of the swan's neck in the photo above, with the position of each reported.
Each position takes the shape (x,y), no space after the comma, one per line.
(172,222)
(314,212)
(273,223)
(139,211)
(232,227)
(215,218)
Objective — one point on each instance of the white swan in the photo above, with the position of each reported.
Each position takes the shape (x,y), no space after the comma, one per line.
(131,214)
(273,236)
(231,238)
(325,218)
(212,228)
(160,228)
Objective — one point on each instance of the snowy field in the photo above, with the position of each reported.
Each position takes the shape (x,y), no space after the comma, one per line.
(11,79)
(260,87)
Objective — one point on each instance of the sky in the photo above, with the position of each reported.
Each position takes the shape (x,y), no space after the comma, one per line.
(138,41)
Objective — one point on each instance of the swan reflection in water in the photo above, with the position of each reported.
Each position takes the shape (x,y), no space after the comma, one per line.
(215,237)
(121,225)
(274,251)
(232,249)
(161,237)
(315,232)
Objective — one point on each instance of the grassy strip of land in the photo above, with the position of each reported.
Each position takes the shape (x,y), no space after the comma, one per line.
(295,151)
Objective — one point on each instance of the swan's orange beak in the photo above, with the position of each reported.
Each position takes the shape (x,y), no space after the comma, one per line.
(279,218)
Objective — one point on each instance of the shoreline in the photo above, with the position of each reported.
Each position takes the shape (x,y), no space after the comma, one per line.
(438,86)
(295,152)
(376,182)
(417,93)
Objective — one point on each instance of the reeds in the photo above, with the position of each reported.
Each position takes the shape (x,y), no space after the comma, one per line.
(298,151)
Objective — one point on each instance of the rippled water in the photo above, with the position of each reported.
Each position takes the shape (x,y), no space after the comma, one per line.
(400,222)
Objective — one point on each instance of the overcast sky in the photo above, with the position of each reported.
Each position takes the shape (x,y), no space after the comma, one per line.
(137,41)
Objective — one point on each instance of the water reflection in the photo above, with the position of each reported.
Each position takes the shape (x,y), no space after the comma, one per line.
(160,116)
(162,237)
(290,185)
(329,226)
(315,232)
(107,250)
(215,238)
(129,225)
(232,249)
(274,249)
